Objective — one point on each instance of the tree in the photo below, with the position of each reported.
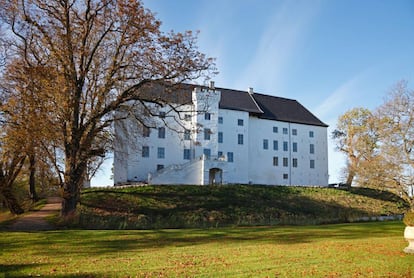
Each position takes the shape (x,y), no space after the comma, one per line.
(397,139)
(101,54)
(356,135)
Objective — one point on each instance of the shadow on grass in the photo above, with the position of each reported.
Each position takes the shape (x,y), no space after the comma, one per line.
(90,242)
(212,206)
(379,195)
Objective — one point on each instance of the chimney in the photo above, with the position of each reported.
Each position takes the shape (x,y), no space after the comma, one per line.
(250,91)
(211,86)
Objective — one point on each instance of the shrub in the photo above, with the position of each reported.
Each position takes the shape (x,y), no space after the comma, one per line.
(409,218)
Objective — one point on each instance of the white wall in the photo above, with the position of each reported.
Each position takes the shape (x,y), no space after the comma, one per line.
(261,168)
(252,163)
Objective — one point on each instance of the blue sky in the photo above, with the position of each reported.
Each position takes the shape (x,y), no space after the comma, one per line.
(330,55)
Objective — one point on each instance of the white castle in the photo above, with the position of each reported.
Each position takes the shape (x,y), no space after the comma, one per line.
(206,135)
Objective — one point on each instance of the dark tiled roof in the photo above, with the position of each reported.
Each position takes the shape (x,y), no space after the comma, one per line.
(285,110)
(238,100)
(262,106)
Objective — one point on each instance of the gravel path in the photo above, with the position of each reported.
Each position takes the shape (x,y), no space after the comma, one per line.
(35,221)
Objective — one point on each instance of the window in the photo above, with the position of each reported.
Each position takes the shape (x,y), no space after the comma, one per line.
(187,117)
(311,134)
(146,131)
(285,146)
(275,161)
(230,157)
(207,133)
(275,145)
(220,137)
(207,153)
(312,148)
(160,167)
(187,135)
(220,154)
(295,147)
(240,122)
(145,151)
(220,120)
(161,132)
(187,154)
(294,131)
(285,130)
(275,129)
(207,116)
(285,176)
(295,163)
(161,153)
(285,162)
(162,115)
(312,164)
(265,144)
(240,139)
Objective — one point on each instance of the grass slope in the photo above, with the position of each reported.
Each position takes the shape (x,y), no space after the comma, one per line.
(340,250)
(150,207)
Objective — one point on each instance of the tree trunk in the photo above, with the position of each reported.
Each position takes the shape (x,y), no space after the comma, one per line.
(72,186)
(11,201)
(350,178)
(32,178)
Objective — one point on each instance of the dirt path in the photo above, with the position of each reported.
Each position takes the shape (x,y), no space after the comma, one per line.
(35,221)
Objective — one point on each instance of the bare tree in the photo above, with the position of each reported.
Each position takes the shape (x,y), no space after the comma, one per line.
(101,54)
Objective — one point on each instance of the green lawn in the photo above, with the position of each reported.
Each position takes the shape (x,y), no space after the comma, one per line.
(342,250)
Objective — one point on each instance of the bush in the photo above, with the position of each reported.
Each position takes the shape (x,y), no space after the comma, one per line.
(409,218)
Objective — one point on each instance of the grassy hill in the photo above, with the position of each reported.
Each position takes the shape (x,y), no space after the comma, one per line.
(149,207)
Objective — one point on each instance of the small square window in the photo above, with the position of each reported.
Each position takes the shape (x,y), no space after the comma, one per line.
(161,153)
(295,163)
(285,176)
(275,145)
(230,157)
(220,120)
(207,116)
(187,117)
(160,167)
(285,130)
(220,137)
(162,115)
(219,154)
(240,139)
(275,161)
(275,129)
(240,122)
(207,153)
(145,151)
(146,131)
(187,135)
(187,154)
(207,133)
(312,164)
(161,132)
(265,144)
(285,146)
(294,131)
(285,162)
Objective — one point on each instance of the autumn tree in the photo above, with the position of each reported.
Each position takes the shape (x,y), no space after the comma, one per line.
(397,140)
(356,135)
(101,54)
